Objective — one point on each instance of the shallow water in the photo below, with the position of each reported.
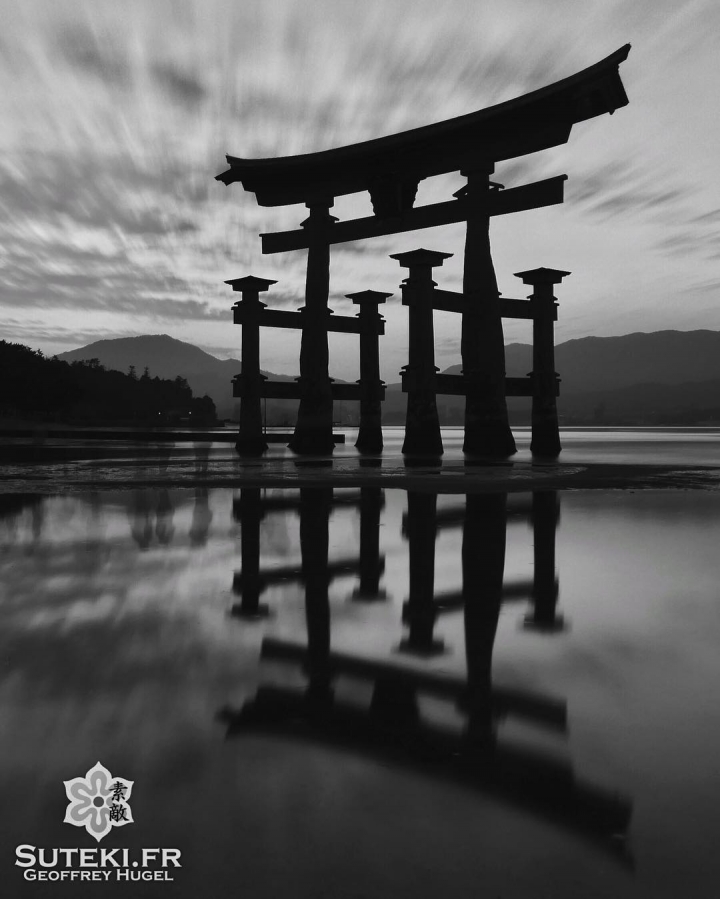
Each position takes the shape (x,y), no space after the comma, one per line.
(132,634)
(121,463)
(654,446)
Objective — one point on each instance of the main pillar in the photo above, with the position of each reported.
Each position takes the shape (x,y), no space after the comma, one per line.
(545,430)
(483,565)
(315,505)
(487,429)
(313,431)
(372,564)
(370,438)
(248,384)
(422,425)
(420,611)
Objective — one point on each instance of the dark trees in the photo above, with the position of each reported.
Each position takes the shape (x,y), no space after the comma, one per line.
(32,385)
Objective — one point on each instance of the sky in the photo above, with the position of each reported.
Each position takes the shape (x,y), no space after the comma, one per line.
(116,116)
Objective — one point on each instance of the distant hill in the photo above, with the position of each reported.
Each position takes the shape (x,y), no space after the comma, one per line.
(163,355)
(692,402)
(166,357)
(662,377)
(659,377)
(605,363)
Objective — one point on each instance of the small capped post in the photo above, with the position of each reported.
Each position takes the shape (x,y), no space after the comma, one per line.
(420,610)
(546,381)
(546,586)
(422,425)
(248,583)
(248,384)
(372,325)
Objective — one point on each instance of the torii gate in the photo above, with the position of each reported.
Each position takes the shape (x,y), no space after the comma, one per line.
(390,169)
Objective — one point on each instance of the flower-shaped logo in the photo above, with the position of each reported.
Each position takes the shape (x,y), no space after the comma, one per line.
(98,801)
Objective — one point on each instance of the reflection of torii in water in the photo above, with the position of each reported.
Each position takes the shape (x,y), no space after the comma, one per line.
(392,725)
(251,507)
(420,525)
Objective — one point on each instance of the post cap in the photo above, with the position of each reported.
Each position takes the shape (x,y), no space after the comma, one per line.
(250,282)
(368,296)
(542,276)
(421,257)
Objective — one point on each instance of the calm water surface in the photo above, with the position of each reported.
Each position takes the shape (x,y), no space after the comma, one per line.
(654,446)
(496,696)
(119,463)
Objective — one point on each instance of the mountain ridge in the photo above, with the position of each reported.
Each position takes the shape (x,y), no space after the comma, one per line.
(592,371)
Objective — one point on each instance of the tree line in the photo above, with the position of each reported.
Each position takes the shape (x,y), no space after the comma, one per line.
(33,385)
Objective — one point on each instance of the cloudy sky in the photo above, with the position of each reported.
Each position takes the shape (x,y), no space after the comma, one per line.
(115,116)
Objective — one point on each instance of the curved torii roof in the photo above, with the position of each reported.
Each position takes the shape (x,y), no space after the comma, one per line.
(535,121)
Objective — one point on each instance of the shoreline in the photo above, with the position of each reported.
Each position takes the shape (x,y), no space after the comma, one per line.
(293,473)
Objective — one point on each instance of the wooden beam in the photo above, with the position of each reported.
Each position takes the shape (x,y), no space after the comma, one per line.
(548,192)
(455,518)
(349,324)
(524,387)
(454,600)
(291,390)
(523,703)
(147,435)
(283,318)
(294,573)
(448,300)
(271,318)
(275,390)
(453,301)
(273,503)
(454,385)
(521,309)
(449,385)
(150,436)
(351,391)
(536,121)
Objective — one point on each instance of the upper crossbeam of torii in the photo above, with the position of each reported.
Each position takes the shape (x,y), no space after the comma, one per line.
(535,121)
(390,169)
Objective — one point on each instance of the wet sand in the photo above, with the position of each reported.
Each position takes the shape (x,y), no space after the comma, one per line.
(185,468)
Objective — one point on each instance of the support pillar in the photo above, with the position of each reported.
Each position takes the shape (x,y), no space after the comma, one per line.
(248,384)
(372,564)
(315,506)
(420,611)
(483,566)
(313,431)
(545,516)
(394,703)
(248,583)
(370,438)
(422,425)
(545,430)
(487,428)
